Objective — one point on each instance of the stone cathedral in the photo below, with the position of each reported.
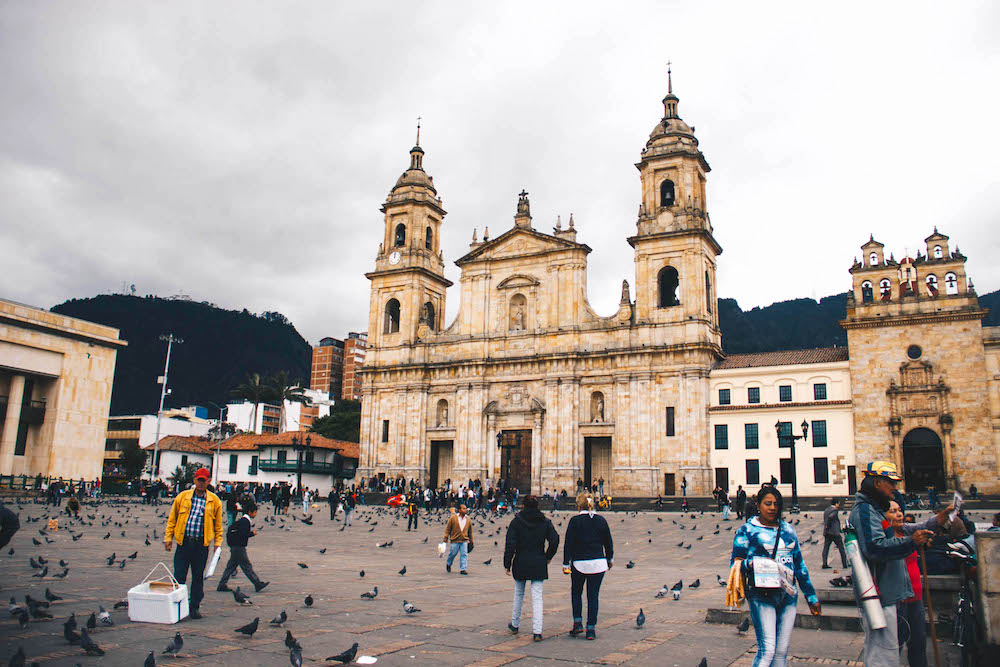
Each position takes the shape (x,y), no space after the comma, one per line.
(529,383)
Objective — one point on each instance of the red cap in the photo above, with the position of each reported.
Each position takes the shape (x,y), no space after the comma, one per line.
(203,472)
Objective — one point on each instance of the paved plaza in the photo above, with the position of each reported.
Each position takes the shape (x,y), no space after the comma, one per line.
(463,618)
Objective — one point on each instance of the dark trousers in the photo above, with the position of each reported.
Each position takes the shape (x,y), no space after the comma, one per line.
(412,521)
(593,581)
(839,541)
(192,554)
(914,628)
(333,510)
(238,559)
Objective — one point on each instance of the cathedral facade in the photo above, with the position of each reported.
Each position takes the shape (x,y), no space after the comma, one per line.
(529,383)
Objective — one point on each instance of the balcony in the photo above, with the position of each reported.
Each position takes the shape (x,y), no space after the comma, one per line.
(283,465)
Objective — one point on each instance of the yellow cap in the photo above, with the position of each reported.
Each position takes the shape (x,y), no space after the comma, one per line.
(883,469)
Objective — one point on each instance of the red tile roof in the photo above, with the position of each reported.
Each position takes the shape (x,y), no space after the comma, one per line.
(250,441)
(191,444)
(817,355)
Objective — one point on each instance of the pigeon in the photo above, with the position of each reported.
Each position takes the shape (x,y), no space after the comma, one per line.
(295,655)
(22,618)
(720,580)
(50,596)
(403,571)
(323,550)
(88,645)
(106,537)
(110,560)
(662,593)
(121,604)
(61,575)
(249,628)
(370,595)
(175,645)
(121,566)
(409,608)
(69,634)
(36,542)
(280,619)
(688,547)
(290,641)
(309,600)
(38,613)
(678,586)
(629,565)
(362,574)
(703,663)
(345,657)
(133,555)
(424,542)
(17,660)
(34,564)
(488,561)
(147,544)
(743,626)
(241,597)
(105,618)
(696,584)
(92,621)
(640,620)
(150,660)
(41,575)
(303,566)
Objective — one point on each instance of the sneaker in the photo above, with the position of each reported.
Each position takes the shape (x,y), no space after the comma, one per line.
(577,629)
(222,588)
(447,568)
(262,586)
(195,614)
(463,572)
(825,567)
(512,628)
(591,634)
(536,638)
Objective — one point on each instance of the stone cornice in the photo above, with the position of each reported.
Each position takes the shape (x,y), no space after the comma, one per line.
(779,406)
(707,235)
(922,318)
(409,269)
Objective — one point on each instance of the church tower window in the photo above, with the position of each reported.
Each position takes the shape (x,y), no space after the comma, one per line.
(429,239)
(938,252)
(400,237)
(873,259)
(391,321)
(932,285)
(667,193)
(667,281)
(867,295)
(885,289)
(951,283)
(708,292)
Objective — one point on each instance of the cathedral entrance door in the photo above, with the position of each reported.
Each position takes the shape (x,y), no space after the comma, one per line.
(520,459)
(441,462)
(597,461)
(923,460)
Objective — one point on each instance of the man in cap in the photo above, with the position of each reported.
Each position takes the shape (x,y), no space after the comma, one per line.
(885,556)
(195,521)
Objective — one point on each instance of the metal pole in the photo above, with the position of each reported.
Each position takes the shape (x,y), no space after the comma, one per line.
(795,476)
(930,607)
(154,470)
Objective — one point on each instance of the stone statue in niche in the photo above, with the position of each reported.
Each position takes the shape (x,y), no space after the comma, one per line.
(443,415)
(426,314)
(517,318)
(597,409)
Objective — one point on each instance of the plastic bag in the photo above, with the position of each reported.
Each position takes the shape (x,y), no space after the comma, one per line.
(442,548)
(215,562)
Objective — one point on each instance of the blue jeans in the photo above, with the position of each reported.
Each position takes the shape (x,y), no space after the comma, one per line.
(537,604)
(593,581)
(459,548)
(773,627)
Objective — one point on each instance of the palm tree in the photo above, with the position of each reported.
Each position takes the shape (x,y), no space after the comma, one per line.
(283,390)
(255,391)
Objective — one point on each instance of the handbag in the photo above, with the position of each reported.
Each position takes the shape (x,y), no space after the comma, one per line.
(770,576)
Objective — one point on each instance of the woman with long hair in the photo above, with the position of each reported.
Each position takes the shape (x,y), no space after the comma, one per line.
(588,553)
(532,541)
(768,545)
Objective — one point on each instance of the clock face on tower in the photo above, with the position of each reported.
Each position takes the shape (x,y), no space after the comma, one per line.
(394,258)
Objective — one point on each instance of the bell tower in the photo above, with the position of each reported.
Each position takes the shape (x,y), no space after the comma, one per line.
(408,283)
(675,251)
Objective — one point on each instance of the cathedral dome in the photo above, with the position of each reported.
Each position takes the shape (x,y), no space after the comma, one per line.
(415,176)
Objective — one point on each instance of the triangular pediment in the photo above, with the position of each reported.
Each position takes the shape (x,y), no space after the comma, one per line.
(519,242)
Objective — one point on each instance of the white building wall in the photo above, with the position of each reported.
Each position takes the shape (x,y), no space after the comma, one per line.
(835,411)
(169,461)
(147,428)
(241,414)
(244,461)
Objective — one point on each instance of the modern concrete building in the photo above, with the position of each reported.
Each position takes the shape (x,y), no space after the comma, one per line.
(327,372)
(268,419)
(56,374)
(355,347)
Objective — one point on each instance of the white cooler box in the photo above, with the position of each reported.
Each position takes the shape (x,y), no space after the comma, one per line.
(160,600)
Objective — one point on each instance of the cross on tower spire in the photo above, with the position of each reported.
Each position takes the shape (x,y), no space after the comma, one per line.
(670,80)
(418,130)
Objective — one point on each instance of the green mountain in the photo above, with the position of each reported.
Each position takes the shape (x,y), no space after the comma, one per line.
(220,347)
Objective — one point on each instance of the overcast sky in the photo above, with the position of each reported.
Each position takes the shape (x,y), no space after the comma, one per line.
(239,152)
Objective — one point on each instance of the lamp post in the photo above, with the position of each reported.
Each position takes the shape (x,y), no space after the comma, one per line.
(218,447)
(298,445)
(791,438)
(154,470)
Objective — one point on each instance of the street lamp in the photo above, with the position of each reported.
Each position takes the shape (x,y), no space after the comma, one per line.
(218,447)
(298,446)
(154,470)
(791,438)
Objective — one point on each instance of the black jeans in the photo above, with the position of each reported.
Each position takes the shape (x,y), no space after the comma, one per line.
(593,582)
(333,510)
(914,630)
(412,521)
(238,559)
(839,541)
(194,555)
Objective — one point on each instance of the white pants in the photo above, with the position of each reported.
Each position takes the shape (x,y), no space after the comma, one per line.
(882,646)
(537,605)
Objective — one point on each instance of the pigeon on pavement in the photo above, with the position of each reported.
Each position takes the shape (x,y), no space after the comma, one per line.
(403,571)
(241,597)
(150,660)
(696,584)
(249,628)
(175,645)
(743,626)
(309,600)
(409,608)
(370,595)
(345,657)
(280,619)
(105,618)
(88,645)
(640,619)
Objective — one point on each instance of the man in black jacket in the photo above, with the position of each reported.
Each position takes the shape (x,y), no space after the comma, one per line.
(334,500)
(532,541)
(9,524)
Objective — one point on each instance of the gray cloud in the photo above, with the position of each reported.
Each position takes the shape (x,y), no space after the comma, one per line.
(239,152)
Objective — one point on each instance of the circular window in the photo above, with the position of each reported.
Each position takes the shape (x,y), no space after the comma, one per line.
(914,352)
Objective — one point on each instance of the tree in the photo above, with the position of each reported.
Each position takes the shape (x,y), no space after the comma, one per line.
(344,422)
(255,391)
(221,431)
(282,389)
(184,475)
(133,458)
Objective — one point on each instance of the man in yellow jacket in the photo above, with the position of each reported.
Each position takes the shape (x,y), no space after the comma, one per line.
(195,522)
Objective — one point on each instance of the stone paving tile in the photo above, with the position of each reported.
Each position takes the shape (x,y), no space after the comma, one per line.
(463,621)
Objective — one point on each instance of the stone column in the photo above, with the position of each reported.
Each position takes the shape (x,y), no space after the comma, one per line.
(949,469)
(895,428)
(537,453)
(10,425)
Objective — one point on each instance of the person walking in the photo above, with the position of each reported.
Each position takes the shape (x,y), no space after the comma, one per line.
(684,486)
(195,522)
(306,497)
(726,504)
(531,543)
(334,500)
(831,533)
(232,506)
(758,543)
(458,532)
(348,502)
(412,510)
(237,537)
(885,556)
(588,552)
(741,501)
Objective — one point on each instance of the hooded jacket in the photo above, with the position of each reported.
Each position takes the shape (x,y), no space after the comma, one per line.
(884,553)
(525,553)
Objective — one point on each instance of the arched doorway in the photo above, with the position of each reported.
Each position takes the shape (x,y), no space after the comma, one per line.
(923,460)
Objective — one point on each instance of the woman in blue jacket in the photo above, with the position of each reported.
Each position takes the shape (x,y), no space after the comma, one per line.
(772,610)
(587,555)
